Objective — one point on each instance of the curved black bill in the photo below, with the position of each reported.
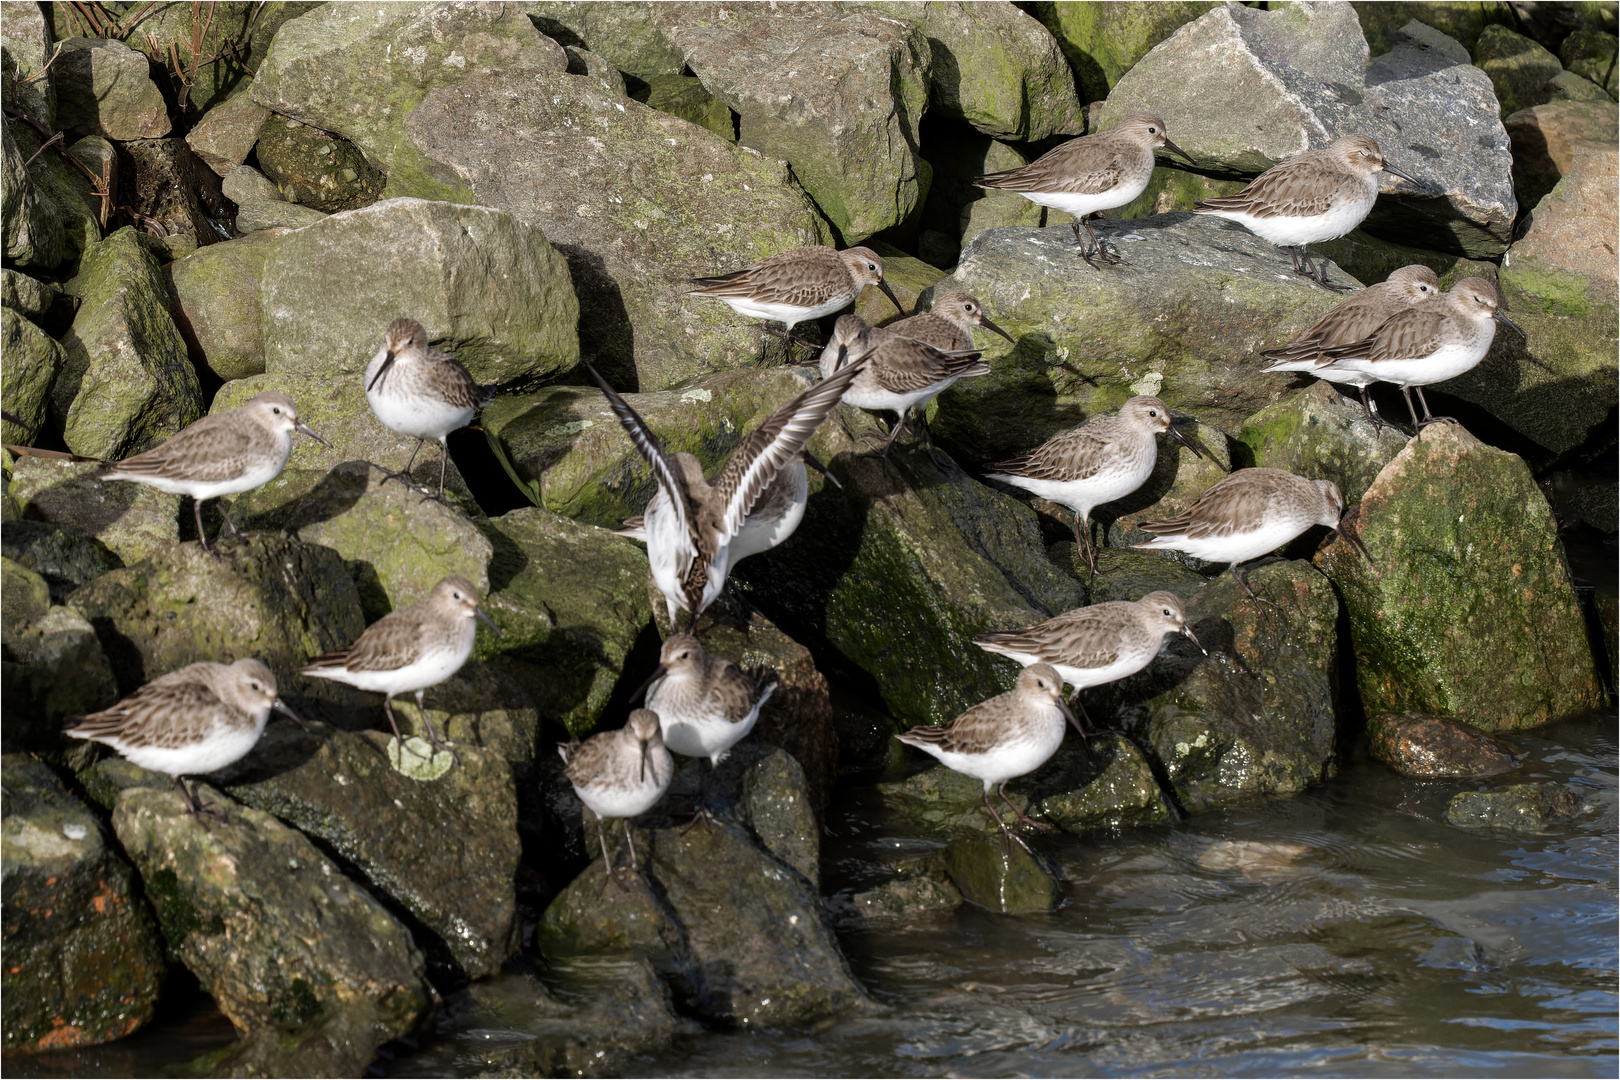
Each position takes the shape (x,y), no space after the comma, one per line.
(281,707)
(985,322)
(1355,542)
(303,428)
(658,673)
(646,748)
(1068,714)
(893,299)
(1174,149)
(387,363)
(1393,171)
(484,618)
(1505,321)
(1187,630)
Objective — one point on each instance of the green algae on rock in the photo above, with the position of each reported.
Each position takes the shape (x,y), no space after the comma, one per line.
(999,876)
(32,361)
(1517,808)
(1591,54)
(132,521)
(315,168)
(84,963)
(217,290)
(1469,611)
(30,227)
(1323,434)
(1104,41)
(1525,74)
(685,97)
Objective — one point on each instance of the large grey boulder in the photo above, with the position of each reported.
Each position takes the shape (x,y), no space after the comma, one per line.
(260,204)
(487,284)
(1300,77)
(1104,41)
(25,49)
(103,88)
(216,290)
(133,521)
(224,137)
(30,228)
(1544,141)
(32,361)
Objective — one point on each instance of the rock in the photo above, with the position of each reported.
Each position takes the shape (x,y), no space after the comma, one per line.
(32,361)
(999,876)
(1087,340)
(571,601)
(957,154)
(1470,611)
(217,294)
(102,88)
(65,557)
(444,850)
(584,62)
(626,33)
(84,963)
(294,953)
(1557,387)
(1323,434)
(1104,41)
(260,205)
(1591,54)
(54,668)
(489,288)
(274,599)
(685,97)
(27,296)
(245,185)
(1382,22)
(224,137)
(132,520)
(1517,808)
(179,192)
(1173,189)
(1582,497)
(1544,141)
(29,222)
(25,49)
(995,68)
(126,382)
(77,207)
(1092,787)
(906,276)
(921,888)
(1525,74)
(781,811)
(1369,259)
(24,598)
(1302,78)
(1423,746)
(315,168)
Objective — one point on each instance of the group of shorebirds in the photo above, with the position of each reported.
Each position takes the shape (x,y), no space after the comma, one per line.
(1404,331)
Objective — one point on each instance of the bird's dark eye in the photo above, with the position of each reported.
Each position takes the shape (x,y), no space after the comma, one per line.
(1168,612)
(275,410)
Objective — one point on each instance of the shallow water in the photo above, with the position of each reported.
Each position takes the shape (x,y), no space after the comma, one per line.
(1348,930)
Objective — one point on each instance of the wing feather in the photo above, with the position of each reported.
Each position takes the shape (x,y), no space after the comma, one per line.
(1408,335)
(648,446)
(209,451)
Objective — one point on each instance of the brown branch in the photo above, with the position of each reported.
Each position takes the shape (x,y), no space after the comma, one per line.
(54,139)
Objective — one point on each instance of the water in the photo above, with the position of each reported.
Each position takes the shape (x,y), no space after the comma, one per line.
(1348,930)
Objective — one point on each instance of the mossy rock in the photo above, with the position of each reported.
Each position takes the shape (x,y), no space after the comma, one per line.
(30,227)
(54,667)
(316,168)
(32,361)
(1321,433)
(217,291)
(131,521)
(62,555)
(1382,20)
(1591,54)
(1104,41)
(1521,70)
(1517,808)
(999,875)
(77,207)
(685,97)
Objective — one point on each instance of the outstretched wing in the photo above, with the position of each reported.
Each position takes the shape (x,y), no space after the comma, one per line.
(648,446)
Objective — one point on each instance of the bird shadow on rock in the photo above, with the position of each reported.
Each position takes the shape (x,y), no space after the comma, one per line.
(606,338)
(337,493)
(1015,408)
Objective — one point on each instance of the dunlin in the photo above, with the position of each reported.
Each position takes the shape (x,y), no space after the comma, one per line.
(948,325)
(189,722)
(1099,644)
(1093,173)
(409,650)
(222,454)
(1105,459)
(798,286)
(1004,738)
(620,774)
(1354,320)
(1430,343)
(1250,514)
(1318,195)
(419,391)
(691,524)
(900,373)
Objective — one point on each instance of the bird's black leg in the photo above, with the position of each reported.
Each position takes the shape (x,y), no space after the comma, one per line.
(404,475)
(1102,252)
(388,711)
(433,736)
(202,538)
(1243,582)
(1429,418)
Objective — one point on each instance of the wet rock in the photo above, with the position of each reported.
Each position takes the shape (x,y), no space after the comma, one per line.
(1517,808)
(1582,497)
(1415,744)
(65,557)
(302,960)
(1303,78)
(178,191)
(25,48)
(126,382)
(132,521)
(1591,54)
(1104,41)
(685,97)
(29,224)
(103,88)
(999,876)
(315,168)
(260,206)
(1321,433)
(84,963)
(217,290)
(1131,574)
(1544,141)
(28,297)
(54,667)
(224,137)
(1089,339)
(1470,611)
(921,888)
(571,600)
(489,288)
(443,849)
(776,803)
(1525,74)
(274,599)
(24,597)
(32,361)
(1106,784)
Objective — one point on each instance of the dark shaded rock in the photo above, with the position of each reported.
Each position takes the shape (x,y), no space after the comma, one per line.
(1369,259)
(30,225)
(1131,574)
(1414,744)
(133,521)
(175,189)
(582,61)
(1104,41)
(999,876)
(32,363)
(685,97)
(1591,54)
(919,889)
(315,168)
(224,137)
(217,289)
(54,667)
(1470,611)
(1517,808)
(1525,74)
(102,88)
(1383,20)
(62,555)
(1321,433)
(84,963)
(77,207)
(1544,140)
(1582,497)
(24,597)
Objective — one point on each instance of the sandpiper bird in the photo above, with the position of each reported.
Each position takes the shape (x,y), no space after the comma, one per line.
(1318,195)
(1093,173)
(1354,320)
(419,391)
(690,525)
(1105,459)
(409,650)
(900,373)
(705,705)
(1248,515)
(1003,738)
(948,325)
(1099,644)
(1432,342)
(798,286)
(196,720)
(620,774)
(221,454)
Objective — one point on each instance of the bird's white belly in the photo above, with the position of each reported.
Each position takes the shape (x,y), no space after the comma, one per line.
(1082,495)
(1081,205)
(251,478)
(1446,362)
(877,399)
(762,534)
(1235,548)
(1331,372)
(222,747)
(1007,759)
(430,670)
(609,799)
(785,313)
(1283,231)
(419,416)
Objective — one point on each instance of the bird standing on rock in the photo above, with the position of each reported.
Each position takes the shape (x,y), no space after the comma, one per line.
(620,774)
(948,324)
(419,391)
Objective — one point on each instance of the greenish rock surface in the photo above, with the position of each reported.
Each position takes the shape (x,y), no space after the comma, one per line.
(53,667)
(24,597)
(126,382)
(1591,54)
(1522,72)
(132,521)
(488,286)
(906,276)
(685,97)
(920,888)
(1323,434)
(1105,40)
(1369,259)
(1470,611)
(30,228)
(65,557)
(315,168)
(1173,189)
(1517,808)
(310,969)
(777,805)
(1544,140)
(77,207)
(444,850)
(626,33)
(999,876)
(217,290)
(103,88)
(28,297)
(260,205)
(32,362)
(582,61)
(224,137)
(1131,574)
(1415,744)
(84,963)
(1383,20)
(25,48)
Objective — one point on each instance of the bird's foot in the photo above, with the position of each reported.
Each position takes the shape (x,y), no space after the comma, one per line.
(1009,838)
